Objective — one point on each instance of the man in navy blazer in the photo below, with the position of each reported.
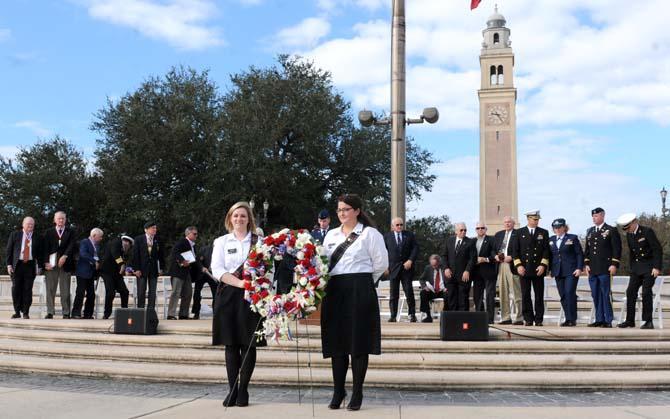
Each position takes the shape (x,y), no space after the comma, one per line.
(402,250)
(88,265)
(567,263)
(147,263)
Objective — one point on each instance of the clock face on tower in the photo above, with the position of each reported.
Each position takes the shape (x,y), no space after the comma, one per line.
(497,115)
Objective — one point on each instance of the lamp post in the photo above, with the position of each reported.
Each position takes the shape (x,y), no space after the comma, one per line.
(398,119)
(664,209)
(264,219)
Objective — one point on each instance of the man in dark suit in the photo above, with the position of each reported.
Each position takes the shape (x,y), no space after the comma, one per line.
(24,260)
(112,270)
(531,259)
(646,263)
(458,261)
(402,250)
(508,280)
(432,286)
(58,256)
(484,272)
(88,265)
(602,256)
(147,262)
(319,232)
(567,262)
(205,277)
(184,265)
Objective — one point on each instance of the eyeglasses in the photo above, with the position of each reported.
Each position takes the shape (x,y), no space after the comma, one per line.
(399,225)
(480,228)
(343,210)
(463,229)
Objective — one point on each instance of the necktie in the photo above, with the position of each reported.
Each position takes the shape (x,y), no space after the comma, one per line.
(398,239)
(150,243)
(26,249)
(532,231)
(458,244)
(437,281)
(323,233)
(504,243)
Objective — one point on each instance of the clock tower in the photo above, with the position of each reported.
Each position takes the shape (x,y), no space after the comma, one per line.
(497,126)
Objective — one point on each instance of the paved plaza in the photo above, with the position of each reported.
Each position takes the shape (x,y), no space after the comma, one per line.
(41,396)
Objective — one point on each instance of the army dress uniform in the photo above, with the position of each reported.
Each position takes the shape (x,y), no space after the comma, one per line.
(531,251)
(603,249)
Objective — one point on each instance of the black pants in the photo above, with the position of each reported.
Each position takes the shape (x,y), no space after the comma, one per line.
(142,291)
(484,283)
(240,364)
(425,297)
(646,281)
(114,284)
(22,286)
(537,283)
(84,286)
(458,294)
(405,278)
(197,291)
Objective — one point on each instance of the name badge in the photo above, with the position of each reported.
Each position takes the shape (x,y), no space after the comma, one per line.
(331,245)
(232,251)
(641,240)
(540,237)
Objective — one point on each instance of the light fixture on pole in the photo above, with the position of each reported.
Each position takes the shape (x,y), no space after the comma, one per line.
(664,209)
(266,207)
(397,119)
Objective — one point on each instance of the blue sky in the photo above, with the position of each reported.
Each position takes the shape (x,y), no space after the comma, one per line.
(594,95)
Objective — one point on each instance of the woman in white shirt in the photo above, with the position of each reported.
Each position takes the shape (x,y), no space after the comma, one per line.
(234,323)
(350,324)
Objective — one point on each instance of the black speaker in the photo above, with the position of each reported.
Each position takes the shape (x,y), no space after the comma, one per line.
(135,321)
(464,325)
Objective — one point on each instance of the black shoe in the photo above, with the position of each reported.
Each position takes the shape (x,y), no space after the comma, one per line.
(392,320)
(647,325)
(16,316)
(49,316)
(76,316)
(412,318)
(626,324)
(242,398)
(66,316)
(506,322)
(428,319)
(606,325)
(105,317)
(337,401)
(518,323)
(171,318)
(528,324)
(184,318)
(356,401)
(571,324)
(565,324)
(196,317)
(89,317)
(231,398)
(595,324)
(26,316)
(538,324)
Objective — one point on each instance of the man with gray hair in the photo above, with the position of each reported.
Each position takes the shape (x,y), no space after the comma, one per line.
(402,251)
(184,265)
(58,255)
(458,261)
(508,281)
(87,270)
(24,259)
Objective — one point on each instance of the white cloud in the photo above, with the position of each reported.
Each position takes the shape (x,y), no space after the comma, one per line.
(576,62)
(305,34)
(181,23)
(8,151)
(335,5)
(34,126)
(5,34)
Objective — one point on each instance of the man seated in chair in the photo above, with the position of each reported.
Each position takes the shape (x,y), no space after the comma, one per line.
(432,286)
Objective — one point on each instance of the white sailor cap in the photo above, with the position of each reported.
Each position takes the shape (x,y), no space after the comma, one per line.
(625,220)
(128,238)
(535,214)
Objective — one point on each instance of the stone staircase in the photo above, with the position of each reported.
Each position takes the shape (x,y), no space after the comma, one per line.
(413,356)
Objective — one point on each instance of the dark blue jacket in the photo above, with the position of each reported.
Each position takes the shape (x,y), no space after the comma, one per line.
(566,259)
(88,255)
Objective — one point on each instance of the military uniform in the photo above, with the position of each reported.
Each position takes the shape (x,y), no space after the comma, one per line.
(646,254)
(603,249)
(531,251)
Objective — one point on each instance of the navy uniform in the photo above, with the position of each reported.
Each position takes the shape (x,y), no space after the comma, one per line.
(603,250)
(530,250)
(319,233)
(646,262)
(567,262)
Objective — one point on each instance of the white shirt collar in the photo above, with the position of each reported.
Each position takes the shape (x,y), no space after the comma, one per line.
(358,229)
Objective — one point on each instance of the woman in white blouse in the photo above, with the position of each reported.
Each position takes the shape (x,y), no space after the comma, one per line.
(350,324)
(234,323)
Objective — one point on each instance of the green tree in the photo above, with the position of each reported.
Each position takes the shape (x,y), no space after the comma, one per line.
(47,177)
(431,233)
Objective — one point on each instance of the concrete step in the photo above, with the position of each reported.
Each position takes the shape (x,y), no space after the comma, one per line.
(272,358)
(387,378)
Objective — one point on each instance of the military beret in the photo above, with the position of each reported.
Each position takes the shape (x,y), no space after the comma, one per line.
(324,214)
(149,224)
(597,210)
(533,214)
(625,220)
(559,222)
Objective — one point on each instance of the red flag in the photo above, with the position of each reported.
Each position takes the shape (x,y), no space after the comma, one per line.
(474,4)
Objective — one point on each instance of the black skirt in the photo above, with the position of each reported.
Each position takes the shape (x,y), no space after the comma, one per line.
(350,322)
(234,323)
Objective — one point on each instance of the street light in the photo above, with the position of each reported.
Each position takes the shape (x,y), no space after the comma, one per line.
(397,119)
(664,210)
(266,206)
